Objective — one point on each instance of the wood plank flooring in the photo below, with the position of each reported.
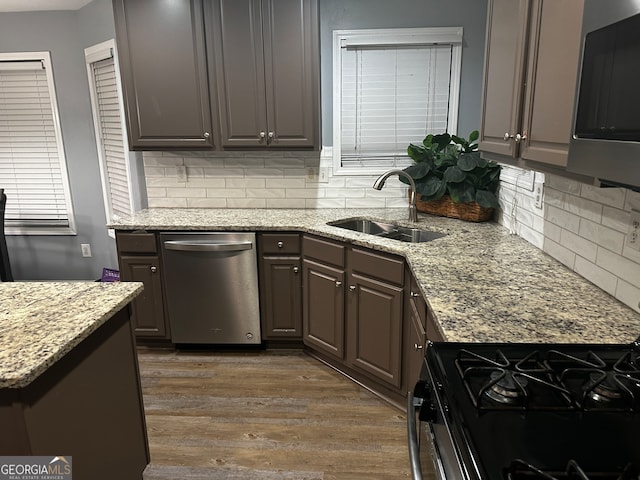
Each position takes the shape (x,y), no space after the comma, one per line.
(265,415)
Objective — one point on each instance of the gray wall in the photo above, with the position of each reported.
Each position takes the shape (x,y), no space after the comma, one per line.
(65,35)
(354,14)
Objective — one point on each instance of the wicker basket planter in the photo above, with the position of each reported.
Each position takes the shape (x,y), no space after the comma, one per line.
(445,207)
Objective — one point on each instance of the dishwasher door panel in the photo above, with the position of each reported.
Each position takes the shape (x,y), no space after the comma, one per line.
(211,287)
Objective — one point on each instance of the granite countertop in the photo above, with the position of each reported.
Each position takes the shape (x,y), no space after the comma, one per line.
(42,321)
(482,283)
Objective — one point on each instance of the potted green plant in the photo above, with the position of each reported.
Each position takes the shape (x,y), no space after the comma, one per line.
(452,179)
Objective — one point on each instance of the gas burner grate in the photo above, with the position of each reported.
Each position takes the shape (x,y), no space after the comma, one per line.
(520,470)
(500,383)
(596,385)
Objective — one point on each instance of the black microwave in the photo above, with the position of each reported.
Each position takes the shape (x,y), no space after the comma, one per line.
(606,130)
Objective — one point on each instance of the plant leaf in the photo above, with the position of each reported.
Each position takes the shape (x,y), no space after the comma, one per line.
(473,136)
(418,153)
(453,174)
(467,162)
(428,141)
(441,140)
(431,188)
(416,171)
(462,192)
(487,199)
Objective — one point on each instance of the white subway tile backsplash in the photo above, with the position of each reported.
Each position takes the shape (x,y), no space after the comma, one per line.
(560,253)
(226,193)
(285,183)
(616,219)
(563,184)
(613,197)
(579,245)
(264,172)
(284,203)
(633,201)
(186,192)
(325,203)
(246,203)
(583,207)
(224,172)
(621,266)
(596,275)
(304,193)
(206,202)
(267,193)
(601,235)
(167,202)
(628,294)
(372,203)
(562,218)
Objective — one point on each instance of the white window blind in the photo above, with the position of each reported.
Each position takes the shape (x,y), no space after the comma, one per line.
(112,151)
(392,88)
(32,164)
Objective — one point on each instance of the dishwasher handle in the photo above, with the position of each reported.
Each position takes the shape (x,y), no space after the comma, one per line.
(207,246)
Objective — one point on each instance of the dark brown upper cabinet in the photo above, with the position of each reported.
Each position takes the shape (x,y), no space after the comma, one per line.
(264,55)
(163,66)
(531,66)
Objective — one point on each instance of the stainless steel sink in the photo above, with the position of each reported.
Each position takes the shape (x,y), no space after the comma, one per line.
(387,230)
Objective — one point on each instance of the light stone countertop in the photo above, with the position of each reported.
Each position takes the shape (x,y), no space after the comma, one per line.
(482,283)
(40,322)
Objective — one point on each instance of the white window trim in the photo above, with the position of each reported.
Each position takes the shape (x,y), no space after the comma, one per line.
(387,37)
(95,53)
(45,58)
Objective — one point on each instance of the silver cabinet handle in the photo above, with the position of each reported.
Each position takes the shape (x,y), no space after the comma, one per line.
(262,134)
(206,246)
(153,269)
(507,136)
(206,134)
(414,295)
(338,283)
(417,347)
(352,288)
(296,269)
(271,134)
(520,138)
(280,244)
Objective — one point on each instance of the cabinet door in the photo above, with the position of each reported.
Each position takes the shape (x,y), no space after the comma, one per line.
(323,308)
(147,308)
(282,297)
(503,75)
(290,29)
(414,348)
(235,37)
(554,52)
(162,58)
(375,329)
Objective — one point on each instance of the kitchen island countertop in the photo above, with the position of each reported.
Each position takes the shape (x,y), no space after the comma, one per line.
(40,322)
(482,283)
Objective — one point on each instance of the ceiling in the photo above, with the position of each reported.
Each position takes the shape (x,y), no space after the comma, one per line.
(33,5)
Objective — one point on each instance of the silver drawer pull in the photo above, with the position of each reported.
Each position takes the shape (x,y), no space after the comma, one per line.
(280,244)
(338,283)
(153,269)
(296,269)
(417,347)
(206,246)
(414,295)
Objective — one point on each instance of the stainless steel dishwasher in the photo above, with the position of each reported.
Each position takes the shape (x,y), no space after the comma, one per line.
(211,287)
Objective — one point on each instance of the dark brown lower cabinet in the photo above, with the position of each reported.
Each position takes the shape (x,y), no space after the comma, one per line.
(282,298)
(374,328)
(140,262)
(323,307)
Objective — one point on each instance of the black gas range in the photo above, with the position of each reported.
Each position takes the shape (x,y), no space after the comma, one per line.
(527,411)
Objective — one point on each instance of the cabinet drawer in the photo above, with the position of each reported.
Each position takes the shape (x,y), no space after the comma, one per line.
(387,268)
(280,243)
(324,250)
(136,243)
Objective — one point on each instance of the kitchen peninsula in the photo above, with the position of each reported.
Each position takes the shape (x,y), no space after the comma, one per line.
(481,283)
(69,381)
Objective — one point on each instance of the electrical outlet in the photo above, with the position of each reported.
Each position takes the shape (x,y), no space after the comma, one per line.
(323,176)
(86,249)
(633,236)
(181,172)
(312,174)
(538,192)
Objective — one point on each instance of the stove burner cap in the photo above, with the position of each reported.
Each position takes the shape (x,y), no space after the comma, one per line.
(606,388)
(507,389)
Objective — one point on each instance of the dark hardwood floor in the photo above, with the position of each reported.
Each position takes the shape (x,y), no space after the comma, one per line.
(265,415)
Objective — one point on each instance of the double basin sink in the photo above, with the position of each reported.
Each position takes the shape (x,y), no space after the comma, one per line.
(387,230)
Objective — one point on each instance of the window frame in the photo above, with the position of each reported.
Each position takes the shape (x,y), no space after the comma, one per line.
(384,37)
(93,54)
(25,229)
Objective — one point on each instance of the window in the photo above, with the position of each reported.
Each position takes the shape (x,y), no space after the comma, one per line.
(391,88)
(106,105)
(33,169)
